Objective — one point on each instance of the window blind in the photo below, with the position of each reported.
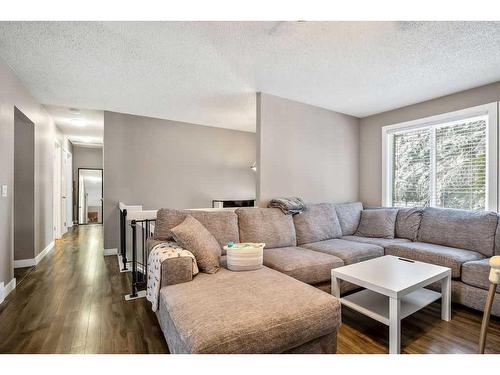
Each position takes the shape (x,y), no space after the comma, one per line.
(461,165)
(442,165)
(411,168)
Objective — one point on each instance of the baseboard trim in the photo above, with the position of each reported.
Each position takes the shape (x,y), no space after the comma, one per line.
(5,290)
(45,251)
(21,263)
(108,252)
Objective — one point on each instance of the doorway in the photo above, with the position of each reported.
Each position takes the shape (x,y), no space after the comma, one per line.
(89,196)
(24,189)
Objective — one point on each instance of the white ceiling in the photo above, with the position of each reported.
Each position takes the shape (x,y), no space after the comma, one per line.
(208,72)
(81,126)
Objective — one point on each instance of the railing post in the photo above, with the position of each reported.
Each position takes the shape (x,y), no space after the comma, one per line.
(123,238)
(134,259)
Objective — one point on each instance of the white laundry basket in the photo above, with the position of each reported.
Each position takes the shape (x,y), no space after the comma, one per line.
(245,256)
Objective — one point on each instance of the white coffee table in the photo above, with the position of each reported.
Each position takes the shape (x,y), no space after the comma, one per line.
(394,290)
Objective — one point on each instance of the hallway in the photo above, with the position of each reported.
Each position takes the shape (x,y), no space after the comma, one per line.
(72,302)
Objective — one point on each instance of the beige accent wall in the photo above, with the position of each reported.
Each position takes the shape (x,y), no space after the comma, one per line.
(305,151)
(370,189)
(161,163)
(13,94)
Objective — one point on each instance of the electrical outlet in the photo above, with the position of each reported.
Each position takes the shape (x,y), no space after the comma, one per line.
(4,190)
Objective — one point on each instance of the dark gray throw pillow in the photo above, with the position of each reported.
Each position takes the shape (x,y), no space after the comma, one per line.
(193,236)
(378,223)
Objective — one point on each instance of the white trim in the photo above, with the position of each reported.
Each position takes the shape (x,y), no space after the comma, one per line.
(21,263)
(44,252)
(492,162)
(108,252)
(140,294)
(5,290)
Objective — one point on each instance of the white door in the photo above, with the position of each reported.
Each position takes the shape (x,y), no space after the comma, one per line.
(57,192)
(66,192)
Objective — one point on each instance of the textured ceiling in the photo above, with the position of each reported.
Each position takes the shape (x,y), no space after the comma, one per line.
(208,72)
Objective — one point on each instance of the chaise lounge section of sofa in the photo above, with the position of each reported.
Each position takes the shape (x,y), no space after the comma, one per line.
(260,311)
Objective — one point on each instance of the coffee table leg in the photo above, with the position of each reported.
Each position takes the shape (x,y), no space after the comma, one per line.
(335,286)
(446,298)
(394,326)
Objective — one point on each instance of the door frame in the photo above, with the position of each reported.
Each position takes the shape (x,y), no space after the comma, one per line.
(78,194)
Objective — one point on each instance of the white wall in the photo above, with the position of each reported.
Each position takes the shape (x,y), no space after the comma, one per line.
(13,93)
(371,132)
(305,151)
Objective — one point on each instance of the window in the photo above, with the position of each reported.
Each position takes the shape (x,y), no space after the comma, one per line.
(445,161)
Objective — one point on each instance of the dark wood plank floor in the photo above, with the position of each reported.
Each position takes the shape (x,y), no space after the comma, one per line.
(72,302)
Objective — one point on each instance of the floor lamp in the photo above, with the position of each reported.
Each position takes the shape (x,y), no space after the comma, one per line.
(494,281)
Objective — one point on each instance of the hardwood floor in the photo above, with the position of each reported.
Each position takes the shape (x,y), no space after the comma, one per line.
(72,302)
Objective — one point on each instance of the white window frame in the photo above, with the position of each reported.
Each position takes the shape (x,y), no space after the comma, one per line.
(491,110)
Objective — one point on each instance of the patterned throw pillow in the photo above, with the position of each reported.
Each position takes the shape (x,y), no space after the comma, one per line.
(193,236)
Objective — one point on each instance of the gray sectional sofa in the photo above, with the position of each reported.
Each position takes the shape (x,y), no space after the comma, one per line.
(282,307)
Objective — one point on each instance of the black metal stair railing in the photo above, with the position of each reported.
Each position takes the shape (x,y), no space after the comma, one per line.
(140,266)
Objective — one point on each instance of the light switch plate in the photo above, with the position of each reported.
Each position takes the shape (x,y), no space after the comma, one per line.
(4,190)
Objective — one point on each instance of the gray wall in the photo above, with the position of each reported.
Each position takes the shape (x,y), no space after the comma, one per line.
(12,93)
(305,151)
(86,157)
(24,187)
(161,163)
(371,132)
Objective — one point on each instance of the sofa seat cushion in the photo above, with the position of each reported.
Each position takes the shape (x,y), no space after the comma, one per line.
(317,222)
(260,311)
(302,264)
(445,256)
(266,225)
(349,251)
(469,230)
(476,273)
(383,242)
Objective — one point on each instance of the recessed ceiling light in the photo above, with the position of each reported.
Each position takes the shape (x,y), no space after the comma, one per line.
(77,122)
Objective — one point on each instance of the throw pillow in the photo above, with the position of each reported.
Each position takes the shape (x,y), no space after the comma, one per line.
(193,236)
(379,223)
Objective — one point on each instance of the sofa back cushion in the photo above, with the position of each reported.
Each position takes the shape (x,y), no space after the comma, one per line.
(349,215)
(471,230)
(267,225)
(378,223)
(223,225)
(497,237)
(408,222)
(317,222)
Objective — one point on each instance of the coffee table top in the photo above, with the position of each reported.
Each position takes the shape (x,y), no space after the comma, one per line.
(391,275)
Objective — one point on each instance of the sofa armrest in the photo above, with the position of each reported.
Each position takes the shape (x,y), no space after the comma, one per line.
(176,271)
